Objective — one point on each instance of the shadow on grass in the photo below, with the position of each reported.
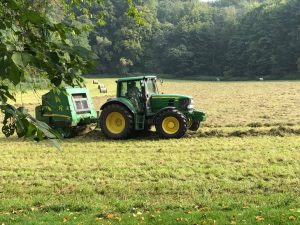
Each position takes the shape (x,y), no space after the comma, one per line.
(252,132)
(61,208)
(97,136)
(281,131)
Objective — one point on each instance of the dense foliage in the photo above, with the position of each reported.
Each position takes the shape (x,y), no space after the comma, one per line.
(225,38)
(44,38)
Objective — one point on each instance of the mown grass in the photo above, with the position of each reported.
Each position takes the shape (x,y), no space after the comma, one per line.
(198,179)
(242,167)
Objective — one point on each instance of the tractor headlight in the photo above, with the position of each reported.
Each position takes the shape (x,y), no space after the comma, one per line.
(191,104)
(186,104)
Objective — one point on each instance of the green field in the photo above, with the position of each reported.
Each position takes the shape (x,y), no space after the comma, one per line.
(242,167)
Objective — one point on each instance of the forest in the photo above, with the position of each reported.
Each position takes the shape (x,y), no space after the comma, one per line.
(230,39)
(216,39)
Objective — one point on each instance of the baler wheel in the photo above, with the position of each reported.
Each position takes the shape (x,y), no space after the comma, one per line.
(116,122)
(171,124)
(67,132)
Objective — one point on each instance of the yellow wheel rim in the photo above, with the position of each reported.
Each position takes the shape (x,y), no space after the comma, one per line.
(115,122)
(170,125)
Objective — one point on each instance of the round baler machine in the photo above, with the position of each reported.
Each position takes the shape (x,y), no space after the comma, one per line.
(68,110)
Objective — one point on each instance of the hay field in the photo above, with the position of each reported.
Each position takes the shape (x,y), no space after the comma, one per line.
(242,167)
(228,104)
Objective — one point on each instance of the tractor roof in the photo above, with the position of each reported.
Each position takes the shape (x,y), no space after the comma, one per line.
(135,78)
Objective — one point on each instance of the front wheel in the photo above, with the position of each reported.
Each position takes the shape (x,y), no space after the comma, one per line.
(116,122)
(171,124)
(194,126)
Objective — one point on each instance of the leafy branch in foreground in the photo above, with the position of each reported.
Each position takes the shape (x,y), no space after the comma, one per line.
(19,121)
(30,41)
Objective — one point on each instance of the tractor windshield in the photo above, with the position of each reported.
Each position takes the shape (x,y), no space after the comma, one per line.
(152,87)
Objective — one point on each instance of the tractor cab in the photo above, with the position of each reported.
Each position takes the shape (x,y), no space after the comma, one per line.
(138,90)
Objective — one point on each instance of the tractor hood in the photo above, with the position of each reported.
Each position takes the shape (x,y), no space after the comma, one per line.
(170,96)
(181,102)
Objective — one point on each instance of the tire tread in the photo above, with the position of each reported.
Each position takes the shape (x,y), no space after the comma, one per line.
(128,121)
(182,121)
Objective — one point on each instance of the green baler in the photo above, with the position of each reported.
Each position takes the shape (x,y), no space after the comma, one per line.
(67,110)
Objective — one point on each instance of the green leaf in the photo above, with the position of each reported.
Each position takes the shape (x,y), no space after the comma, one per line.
(30,130)
(10,47)
(21,59)
(21,126)
(56,80)
(26,126)
(22,110)
(39,136)
(20,130)
(15,75)
(54,57)
(35,18)
(4,95)
(2,25)
(67,57)
(13,4)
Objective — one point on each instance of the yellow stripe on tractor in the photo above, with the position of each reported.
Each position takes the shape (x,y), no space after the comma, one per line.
(165,97)
(57,115)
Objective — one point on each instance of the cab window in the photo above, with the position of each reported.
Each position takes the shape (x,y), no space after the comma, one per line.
(123,92)
(151,87)
(128,87)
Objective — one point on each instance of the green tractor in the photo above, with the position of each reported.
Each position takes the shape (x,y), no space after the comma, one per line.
(138,106)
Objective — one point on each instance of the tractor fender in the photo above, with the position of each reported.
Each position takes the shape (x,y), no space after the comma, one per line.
(125,102)
(162,110)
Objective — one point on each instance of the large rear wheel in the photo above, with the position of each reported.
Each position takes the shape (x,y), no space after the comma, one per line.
(116,122)
(171,124)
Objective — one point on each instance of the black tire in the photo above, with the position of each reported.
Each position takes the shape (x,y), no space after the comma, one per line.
(179,131)
(195,126)
(128,121)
